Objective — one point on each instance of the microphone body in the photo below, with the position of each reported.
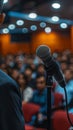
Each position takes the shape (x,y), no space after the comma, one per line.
(52,67)
(1,6)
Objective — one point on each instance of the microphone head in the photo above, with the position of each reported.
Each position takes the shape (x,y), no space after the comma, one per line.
(43,51)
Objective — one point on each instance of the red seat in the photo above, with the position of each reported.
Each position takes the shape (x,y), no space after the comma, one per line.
(29,110)
(54,86)
(58,99)
(29,127)
(60,121)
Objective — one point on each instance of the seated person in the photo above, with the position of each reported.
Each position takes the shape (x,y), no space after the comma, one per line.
(28,74)
(26,91)
(69,88)
(40,98)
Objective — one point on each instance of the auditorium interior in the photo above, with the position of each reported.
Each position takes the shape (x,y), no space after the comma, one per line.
(29,24)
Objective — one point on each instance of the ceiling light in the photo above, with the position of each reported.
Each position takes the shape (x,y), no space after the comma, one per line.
(5,30)
(20,22)
(11,26)
(42,24)
(55,18)
(33,27)
(63,25)
(56,5)
(48,30)
(32,15)
(5,1)
(25,30)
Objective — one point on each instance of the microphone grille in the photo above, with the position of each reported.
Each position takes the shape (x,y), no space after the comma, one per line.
(43,51)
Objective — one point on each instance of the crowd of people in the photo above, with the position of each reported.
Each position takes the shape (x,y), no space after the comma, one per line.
(30,74)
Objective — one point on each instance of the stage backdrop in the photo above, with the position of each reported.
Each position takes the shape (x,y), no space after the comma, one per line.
(55,40)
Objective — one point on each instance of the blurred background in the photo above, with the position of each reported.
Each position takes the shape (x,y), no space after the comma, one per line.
(38,21)
(29,24)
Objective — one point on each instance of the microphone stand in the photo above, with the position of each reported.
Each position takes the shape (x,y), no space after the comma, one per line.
(49,109)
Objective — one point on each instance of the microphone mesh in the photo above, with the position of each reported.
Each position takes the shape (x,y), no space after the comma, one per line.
(43,51)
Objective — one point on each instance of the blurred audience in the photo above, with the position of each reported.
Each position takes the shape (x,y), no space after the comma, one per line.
(29,72)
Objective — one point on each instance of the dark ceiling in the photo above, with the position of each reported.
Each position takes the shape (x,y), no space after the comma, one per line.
(42,8)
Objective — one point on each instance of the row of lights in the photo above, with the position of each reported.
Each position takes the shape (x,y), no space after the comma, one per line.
(25,30)
(33,28)
(43,24)
(34,15)
(58,6)
(54,19)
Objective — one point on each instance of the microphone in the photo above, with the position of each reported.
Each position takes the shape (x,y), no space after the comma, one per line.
(52,67)
(1,6)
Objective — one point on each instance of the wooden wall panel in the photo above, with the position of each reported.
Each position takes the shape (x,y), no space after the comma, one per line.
(56,41)
(8,47)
